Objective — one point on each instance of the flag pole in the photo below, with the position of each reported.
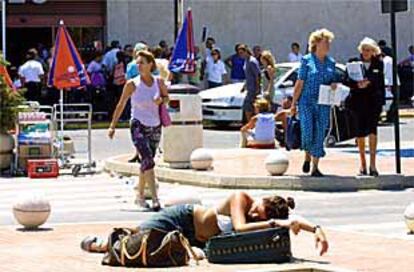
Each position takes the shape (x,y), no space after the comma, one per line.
(4,27)
(61,122)
(61,23)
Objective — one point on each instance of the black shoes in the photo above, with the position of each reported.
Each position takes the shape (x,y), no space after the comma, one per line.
(306,167)
(135,159)
(316,173)
(373,173)
(362,172)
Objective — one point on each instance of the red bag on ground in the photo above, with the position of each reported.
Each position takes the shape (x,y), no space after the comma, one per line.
(42,168)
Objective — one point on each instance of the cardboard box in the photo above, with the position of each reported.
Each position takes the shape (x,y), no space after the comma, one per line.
(27,152)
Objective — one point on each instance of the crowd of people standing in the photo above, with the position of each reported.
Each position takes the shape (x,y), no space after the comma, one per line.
(111,67)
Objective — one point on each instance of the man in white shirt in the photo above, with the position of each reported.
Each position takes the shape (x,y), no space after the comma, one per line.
(388,82)
(295,55)
(31,76)
(388,79)
(206,52)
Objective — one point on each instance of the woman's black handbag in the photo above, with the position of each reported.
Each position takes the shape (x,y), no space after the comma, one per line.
(262,246)
(147,248)
(293,133)
(344,124)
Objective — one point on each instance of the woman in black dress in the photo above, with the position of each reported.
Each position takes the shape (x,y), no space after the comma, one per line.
(366,100)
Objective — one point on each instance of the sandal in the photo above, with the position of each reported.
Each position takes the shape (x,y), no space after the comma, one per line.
(156,206)
(88,241)
(141,203)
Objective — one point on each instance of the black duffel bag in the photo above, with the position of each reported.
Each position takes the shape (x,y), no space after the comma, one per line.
(262,246)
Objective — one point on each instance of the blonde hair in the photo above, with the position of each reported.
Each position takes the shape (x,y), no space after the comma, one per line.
(368,42)
(162,67)
(262,105)
(267,55)
(319,35)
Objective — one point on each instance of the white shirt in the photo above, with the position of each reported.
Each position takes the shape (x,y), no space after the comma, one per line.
(31,70)
(110,59)
(215,71)
(208,56)
(294,58)
(388,72)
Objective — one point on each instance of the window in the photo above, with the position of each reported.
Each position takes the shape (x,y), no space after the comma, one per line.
(281,72)
(293,77)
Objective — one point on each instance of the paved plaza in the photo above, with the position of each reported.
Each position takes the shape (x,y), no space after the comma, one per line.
(363,227)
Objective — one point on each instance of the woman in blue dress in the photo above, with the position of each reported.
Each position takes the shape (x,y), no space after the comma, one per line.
(316,69)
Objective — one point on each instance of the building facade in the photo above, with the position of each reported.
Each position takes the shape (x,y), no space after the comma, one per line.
(274,24)
(31,25)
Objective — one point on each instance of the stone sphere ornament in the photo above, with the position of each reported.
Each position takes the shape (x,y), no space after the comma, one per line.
(201,159)
(409,217)
(277,163)
(31,210)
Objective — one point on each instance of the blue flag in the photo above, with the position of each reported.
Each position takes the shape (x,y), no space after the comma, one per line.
(183,59)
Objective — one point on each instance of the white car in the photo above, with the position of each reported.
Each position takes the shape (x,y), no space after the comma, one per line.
(224,104)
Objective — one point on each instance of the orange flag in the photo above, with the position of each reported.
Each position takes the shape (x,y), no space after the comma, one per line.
(6,76)
(67,69)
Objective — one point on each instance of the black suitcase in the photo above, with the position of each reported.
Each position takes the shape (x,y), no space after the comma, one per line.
(262,246)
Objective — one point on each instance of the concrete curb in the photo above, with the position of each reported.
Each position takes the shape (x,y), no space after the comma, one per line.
(304,183)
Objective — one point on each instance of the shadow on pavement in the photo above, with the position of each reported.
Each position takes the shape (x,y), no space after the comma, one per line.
(34,229)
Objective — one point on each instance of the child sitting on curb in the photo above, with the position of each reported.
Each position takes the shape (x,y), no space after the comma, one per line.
(260,130)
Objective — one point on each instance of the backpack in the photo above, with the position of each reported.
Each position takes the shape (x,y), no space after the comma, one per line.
(98,79)
(119,74)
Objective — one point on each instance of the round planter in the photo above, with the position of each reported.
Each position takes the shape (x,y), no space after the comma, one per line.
(31,210)
(409,217)
(6,150)
(201,159)
(277,163)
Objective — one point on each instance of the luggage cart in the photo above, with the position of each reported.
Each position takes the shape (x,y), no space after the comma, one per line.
(82,156)
(35,134)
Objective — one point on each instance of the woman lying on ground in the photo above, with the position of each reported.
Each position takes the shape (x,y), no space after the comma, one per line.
(239,212)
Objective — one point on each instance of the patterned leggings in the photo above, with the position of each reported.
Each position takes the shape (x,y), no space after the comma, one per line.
(314,122)
(146,141)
